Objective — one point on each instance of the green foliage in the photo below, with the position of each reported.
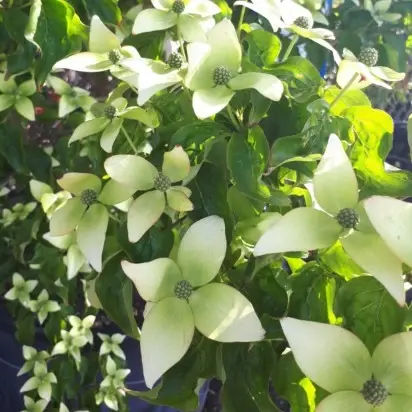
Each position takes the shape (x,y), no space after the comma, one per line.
(247,155)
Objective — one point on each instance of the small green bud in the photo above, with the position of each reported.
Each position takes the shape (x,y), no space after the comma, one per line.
(221,76)
(369,56)
(162,183)
(88,197)
(348,218)
(175,60)
(302,22)
(178,6)
(110,112)
(374,392)
(183,289)
(114,56)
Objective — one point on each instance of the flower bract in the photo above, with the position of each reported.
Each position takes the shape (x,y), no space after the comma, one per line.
(183,298)
(192,17)
(213,72)
(86,213)
(342,216)
(339,362)
(360,72)
(137,173)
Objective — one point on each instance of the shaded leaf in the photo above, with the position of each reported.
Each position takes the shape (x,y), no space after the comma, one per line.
(369,310)
(117,301)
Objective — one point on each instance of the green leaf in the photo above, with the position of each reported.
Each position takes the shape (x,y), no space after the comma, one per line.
(22,58)
(117,301)
(291,384)
(369,311)
(247,374)
(31,27)
(107,10)
(247,159)
(209,195)
(263,47)
(178,385)
(371,130)
(11,148)
(348,99)
(59,32)
(156,243)
(266,293)
(259,109)
(313,294)
(338,261)
(195,134)
(25,326)
(301,77)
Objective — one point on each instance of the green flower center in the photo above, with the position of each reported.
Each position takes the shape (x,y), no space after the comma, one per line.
(374,392)
(88,197)
(175,60)
(183,289)
(162,182)
(302,22)
(221,76)
(114,56)
(369,56)
(110,112)
(178,6)
(348,218)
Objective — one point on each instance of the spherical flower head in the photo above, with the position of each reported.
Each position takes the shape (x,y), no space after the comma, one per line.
(162,183)
(183,289)
(221,76)
(369,56)
(114,56)
(175,60)
(88,197)
(302,22)
(374,392)
(348,218)
(110,112)
(178,6)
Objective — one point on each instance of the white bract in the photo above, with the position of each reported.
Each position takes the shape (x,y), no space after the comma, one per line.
(71,345)
(108,118)
(138,174)
(86,213)
(213,72)
(181,298)
(74,258)
(21,289)
(64,408)
(192,17)
(81,327)
(43,306)
(293,17)
(41,381)
(49,201)
(114,377)
(32,357)
(305,228)
(34,406)
(339,362)
(392,219)
(18,212)
(111,344)
(17,96)
(153,76)
(105,53)
(70,97)
(380,11)
(360,72)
